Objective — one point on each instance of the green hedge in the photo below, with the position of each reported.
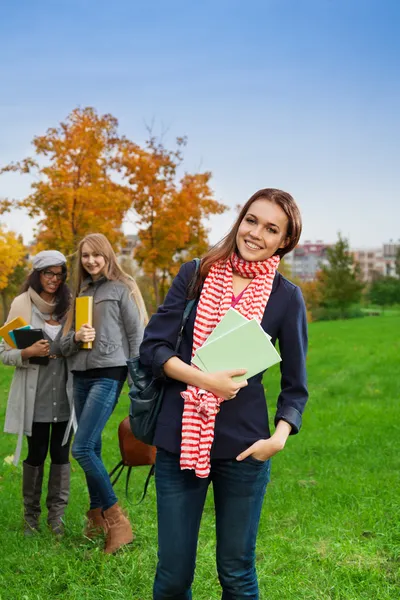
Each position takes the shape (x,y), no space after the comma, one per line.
(334,313)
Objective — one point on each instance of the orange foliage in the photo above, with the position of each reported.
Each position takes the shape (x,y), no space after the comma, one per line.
(312,292)
(75,193)
(90,178)
(12,252)
(170,213)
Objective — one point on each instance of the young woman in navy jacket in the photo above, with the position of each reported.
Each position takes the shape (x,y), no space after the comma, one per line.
(212,428)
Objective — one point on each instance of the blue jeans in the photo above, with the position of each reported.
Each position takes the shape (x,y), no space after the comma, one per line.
(239,489)
(94,400)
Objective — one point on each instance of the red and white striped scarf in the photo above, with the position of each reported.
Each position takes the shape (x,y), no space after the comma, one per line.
(201,406)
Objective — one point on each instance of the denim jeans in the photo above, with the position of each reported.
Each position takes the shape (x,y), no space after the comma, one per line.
(94,400)
(239,489)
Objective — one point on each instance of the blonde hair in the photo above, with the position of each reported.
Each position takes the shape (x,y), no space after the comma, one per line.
(112,271)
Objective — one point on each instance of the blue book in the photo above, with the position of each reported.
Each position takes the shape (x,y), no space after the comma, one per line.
(11,333)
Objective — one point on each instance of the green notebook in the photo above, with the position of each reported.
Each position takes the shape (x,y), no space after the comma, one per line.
(230,321)
(245,347)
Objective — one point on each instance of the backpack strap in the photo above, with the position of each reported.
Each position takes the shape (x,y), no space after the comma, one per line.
(119,466)
(146,484)
(188,308)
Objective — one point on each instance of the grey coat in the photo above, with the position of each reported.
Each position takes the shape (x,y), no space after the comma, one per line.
(119,328)
(22,395)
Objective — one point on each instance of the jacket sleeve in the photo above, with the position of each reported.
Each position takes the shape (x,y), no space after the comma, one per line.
(161,333)
(67,344)
(11,356)
(133,324)
(293,342)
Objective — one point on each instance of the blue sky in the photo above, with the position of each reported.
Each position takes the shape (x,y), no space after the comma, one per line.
(298,94)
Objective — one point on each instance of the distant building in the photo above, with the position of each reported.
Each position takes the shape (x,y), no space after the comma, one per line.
(389,255)
(377,262)
(125,256)
(129,246)
(306,259)
(371,262)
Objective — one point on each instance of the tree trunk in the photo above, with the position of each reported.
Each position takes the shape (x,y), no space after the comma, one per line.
(156,289)
(4,305)
(162,286)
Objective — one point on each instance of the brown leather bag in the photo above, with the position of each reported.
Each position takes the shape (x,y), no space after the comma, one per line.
(134,453)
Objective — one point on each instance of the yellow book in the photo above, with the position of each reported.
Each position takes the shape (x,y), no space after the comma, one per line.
(14,324)
(84,314)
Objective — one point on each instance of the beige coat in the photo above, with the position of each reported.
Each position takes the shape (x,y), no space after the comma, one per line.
(21,398)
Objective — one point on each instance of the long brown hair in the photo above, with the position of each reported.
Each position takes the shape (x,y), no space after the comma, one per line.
(112,271)
(225,247)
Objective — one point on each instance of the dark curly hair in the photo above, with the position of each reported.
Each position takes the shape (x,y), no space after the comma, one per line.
(63,293)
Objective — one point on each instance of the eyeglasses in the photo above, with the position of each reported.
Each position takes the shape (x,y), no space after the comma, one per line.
(50,275)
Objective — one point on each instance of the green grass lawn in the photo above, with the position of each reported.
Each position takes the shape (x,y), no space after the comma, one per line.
(330,526)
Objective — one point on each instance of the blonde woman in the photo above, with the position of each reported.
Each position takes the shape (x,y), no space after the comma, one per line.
(119,316)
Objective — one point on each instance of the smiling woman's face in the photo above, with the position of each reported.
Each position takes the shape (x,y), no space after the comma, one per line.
(92,262)
(262,231)
(50,279)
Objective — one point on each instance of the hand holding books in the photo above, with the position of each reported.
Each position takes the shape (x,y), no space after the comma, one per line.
(223,386)
(41,348)
(18,334)
(84,320)
(85,334)
(33,346)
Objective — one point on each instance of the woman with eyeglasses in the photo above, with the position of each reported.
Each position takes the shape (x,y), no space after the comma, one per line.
(39,404)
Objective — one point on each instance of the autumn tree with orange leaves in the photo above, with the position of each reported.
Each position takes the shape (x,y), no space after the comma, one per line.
(12,254)
(170,212)
(89,178)
(76,191)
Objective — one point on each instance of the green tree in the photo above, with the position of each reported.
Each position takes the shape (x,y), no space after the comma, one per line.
(340,280)
(285,269)
(385,291)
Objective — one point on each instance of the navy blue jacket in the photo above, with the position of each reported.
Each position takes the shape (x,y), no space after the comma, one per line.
(243,420)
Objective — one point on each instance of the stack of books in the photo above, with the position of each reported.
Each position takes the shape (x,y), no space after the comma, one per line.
(7,331)
(18,334)
(237,343)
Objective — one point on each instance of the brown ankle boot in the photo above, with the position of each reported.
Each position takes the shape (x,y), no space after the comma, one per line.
(119,530)
(96,525)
